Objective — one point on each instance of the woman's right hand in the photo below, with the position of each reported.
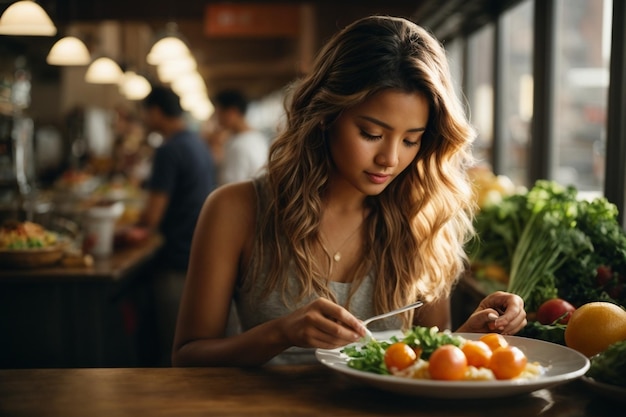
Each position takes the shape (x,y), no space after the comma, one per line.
(321,324)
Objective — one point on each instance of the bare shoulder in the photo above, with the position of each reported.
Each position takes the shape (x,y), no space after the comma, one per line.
(231,206)
(239,198)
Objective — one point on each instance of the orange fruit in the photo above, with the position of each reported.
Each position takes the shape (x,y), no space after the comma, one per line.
(399,356)
(447,362)
(594,326)
(494,340)
(477,353)
(507,362)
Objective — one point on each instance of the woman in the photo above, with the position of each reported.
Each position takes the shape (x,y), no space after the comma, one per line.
(365,207)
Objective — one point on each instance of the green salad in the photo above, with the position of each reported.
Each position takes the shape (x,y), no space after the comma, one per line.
(370,356)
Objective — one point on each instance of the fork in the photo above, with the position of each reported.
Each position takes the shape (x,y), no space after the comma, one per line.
(407,307)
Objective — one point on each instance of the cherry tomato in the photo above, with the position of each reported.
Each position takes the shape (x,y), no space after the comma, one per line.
(399,356)
(478,353)
(447,362)
(553,310)
(494,340)
(604,274)
(507,362)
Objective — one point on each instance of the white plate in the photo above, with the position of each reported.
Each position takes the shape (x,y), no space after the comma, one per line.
(563,364)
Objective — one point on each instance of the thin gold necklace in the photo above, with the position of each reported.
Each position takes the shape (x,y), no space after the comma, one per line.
(336,256)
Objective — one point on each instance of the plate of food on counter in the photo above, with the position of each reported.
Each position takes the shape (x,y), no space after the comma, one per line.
(27,244)
(427,362)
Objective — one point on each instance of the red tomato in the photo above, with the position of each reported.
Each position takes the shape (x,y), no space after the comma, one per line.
(494,340)
(604,274)
(399,356)
(447,362)
(553,309)
(507,362)
(478,353)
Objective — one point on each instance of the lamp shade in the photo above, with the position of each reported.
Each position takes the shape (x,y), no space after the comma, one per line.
(167,48)
(170,69)
(68,51)
(103,71)
(134,86)
(188,82)
(26,18)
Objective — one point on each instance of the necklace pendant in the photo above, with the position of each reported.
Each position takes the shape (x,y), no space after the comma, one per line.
(337,256)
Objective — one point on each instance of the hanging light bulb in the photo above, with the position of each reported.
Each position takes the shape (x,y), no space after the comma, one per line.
(103,71)
(167,48)
(169,70)
(26,18)
(188,82)
(134,86)
(68,51)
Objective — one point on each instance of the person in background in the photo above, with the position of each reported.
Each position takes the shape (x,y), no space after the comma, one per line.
(365,207)
(245,151)
(216,138)
(181,179)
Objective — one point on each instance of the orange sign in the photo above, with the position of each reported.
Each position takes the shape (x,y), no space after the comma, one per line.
(252,20)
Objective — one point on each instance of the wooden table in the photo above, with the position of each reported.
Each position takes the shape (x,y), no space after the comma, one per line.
(310,390)
(76,316)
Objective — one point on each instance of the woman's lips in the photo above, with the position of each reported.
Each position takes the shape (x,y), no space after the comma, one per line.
(378,178)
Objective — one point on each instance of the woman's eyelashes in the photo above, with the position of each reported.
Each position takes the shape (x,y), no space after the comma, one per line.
(369,136)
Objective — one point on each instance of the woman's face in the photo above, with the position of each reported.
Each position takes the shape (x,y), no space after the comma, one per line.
(373,142)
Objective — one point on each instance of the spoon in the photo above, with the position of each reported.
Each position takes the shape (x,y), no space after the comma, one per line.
(407,307)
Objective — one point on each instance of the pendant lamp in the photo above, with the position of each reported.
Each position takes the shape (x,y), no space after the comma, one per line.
(169,70)
(26,18)
(103,71)
(68,51)
(167,48)
(134,86)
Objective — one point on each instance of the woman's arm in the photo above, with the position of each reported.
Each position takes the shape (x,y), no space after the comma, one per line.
(222,242)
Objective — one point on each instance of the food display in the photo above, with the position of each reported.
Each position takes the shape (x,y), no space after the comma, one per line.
(26,235)
(427,353)
(566,257)
(28,244)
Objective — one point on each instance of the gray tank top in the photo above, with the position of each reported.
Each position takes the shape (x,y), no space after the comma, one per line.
(253,309)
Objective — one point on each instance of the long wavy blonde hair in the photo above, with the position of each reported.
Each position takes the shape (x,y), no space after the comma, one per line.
(418,225)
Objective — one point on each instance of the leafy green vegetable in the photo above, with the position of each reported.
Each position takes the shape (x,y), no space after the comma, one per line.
(554,333)
(552,243)
(370,357)
(428,339)
(609,366)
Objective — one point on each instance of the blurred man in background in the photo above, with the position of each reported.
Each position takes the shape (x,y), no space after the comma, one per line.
(183,175)
(246,150)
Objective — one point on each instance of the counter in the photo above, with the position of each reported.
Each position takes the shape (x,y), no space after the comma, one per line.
(78,316)
(311,390)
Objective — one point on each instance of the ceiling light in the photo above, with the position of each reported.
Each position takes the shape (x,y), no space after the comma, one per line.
(68,51)
(134,86)
(26,18)
(167,48)
(202,111)
(169,70)
(103,71)
(188,83)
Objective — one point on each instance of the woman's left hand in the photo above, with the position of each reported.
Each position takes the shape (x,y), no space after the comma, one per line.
(500,312)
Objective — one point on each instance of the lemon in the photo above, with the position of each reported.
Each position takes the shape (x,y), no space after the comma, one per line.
(594,326)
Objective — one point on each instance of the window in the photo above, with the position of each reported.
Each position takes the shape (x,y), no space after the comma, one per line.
(517,90)
(480,90)
(582,75)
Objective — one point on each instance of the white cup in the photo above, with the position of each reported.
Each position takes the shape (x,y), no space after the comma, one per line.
(100,228)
